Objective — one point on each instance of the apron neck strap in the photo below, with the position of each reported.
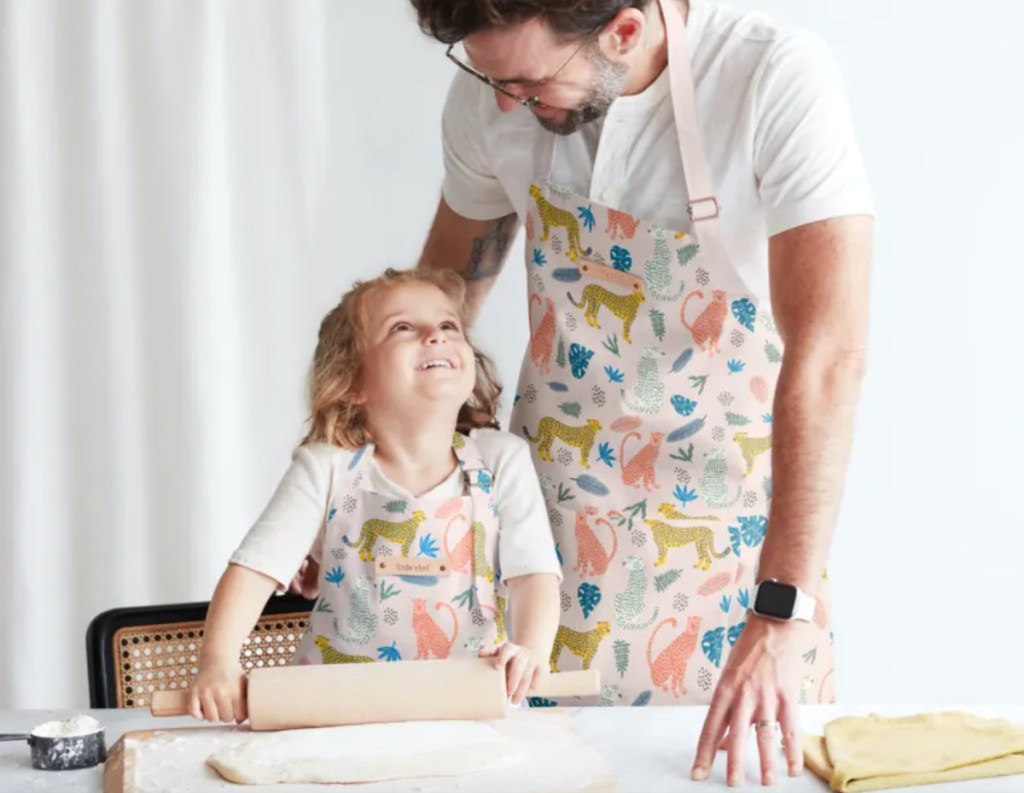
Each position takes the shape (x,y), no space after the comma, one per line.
(479,477)
(702,203)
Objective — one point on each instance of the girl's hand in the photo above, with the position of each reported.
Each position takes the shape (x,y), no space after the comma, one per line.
(219,693)
(523,668)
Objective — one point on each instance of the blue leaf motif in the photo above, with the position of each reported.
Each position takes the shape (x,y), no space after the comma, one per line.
(484,481)
(683,406)
(586,215)
(745,313)
(734,633)
(685,494)
(743,598)
(559,387)
(752,529)
(621,259)
(682,360)
(567,275)
(614,375)
(389,653)
(734,539)
(428,547)
(642,699)
(767,418)
(539,258)
(558,553)
(331,514)
(725,604)
(736,366)
(686,431)
(579,359)
(591,484)
(711,644)
(540,702)
(420,580)
(335,576)
(589,596)
(606,454)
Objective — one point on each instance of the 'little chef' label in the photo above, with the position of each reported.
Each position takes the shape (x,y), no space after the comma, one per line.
(398,566)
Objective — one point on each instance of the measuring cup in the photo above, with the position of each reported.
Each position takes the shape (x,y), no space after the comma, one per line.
(66,752)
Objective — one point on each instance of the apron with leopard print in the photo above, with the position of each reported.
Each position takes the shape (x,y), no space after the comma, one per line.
(407,581)
(646,394)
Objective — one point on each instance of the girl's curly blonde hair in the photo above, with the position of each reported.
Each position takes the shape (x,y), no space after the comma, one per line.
(338,363)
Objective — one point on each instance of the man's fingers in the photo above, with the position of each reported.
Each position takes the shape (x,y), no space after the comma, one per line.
(715,724)
(739,731)
(767,739)
(789,722)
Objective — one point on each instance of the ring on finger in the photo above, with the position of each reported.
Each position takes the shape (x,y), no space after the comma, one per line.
(764,723)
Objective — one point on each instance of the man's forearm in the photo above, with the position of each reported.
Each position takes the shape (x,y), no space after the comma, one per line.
(475,249)
(812,422)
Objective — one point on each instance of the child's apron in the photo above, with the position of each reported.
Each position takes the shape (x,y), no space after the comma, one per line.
(407,580)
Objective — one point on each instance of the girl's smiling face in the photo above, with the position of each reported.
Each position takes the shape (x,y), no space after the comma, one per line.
(415,350)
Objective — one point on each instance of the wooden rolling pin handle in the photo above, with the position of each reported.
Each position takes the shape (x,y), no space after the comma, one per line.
(569,684)
(169,703)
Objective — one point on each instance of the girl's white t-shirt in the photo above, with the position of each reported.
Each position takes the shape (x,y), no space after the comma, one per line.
(294,522)
(774,118)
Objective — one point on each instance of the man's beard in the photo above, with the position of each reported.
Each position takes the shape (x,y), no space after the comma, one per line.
(604,89)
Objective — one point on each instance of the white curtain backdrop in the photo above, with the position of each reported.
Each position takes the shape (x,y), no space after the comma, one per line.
(178,207)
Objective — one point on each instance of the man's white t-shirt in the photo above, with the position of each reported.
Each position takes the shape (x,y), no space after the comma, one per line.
(295,519)
(773,114)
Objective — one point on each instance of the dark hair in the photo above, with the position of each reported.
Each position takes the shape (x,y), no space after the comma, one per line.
(450,21)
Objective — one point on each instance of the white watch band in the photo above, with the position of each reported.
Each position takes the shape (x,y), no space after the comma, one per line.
(804,607)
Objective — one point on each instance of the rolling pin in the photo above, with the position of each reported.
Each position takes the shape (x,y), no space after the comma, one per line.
(330,695)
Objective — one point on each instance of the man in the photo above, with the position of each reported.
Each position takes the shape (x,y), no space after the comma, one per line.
(694,202)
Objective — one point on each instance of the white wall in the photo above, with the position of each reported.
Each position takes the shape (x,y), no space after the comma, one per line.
(927,556)
(926,564)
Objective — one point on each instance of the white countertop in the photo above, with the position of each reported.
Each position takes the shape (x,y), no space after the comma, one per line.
(649,750)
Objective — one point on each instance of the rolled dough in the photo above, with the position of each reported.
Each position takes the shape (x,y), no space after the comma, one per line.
(365,753)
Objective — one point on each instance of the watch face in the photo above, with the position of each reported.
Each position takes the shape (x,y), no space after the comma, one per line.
(775,600)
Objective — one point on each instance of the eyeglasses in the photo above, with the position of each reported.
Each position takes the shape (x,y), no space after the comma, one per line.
(500,85)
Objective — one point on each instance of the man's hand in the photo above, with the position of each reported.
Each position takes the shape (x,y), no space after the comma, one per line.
(760,686)
(307,580)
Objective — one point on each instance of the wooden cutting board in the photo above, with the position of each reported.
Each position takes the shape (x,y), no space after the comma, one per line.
(556,759)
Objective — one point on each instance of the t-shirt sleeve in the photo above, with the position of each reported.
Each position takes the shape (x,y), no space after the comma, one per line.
(293,522)
(806,158)
(470,187)
(525,543)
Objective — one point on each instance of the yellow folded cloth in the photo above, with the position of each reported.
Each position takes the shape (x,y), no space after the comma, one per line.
(874,752)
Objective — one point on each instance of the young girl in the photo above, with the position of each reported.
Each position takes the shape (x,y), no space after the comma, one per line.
(425,520)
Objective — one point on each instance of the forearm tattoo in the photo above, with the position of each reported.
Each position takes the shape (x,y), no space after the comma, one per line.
(489,249)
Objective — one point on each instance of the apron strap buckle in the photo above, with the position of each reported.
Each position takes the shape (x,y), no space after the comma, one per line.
(709,213)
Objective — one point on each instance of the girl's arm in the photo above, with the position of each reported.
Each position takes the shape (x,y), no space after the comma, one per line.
(218,692)
(535,608)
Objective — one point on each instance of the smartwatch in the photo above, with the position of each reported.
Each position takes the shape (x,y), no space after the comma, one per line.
(785,602)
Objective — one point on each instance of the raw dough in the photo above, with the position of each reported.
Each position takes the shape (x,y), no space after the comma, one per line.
(365,753)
